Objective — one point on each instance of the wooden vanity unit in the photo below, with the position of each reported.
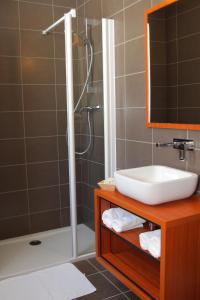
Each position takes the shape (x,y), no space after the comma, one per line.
(176,275)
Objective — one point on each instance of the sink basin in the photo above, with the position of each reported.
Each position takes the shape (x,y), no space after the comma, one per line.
(156,184)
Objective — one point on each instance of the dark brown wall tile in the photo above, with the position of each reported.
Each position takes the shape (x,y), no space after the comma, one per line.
(111,7)
(119,27)
(13,178)
(65,201)
(134,19)
(35,16)
(63,168)
(11,125)
(135,92)
(41,175)
(135,125)
(138,154)
(62,122)
(119,60)
(65,217)
(62,145)
(134,56)
(120,91)
(168,157)
(45,221)
(10,70)
(13,204)
(10,98)
(41,149)
(38,71)
(120,149)
(66,3)
(60,71)
(40,123)
(39,97)
(14,227)
(93,9)
(34,44)
(12,152)
(120,128)
(44,199)
(10,45)
(9,14)
(59,45)
(96,173)
(61,96)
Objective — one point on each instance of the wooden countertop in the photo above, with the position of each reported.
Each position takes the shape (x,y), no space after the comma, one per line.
(179,211)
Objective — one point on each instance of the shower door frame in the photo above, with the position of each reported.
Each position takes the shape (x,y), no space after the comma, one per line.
(109,114)
(70,127)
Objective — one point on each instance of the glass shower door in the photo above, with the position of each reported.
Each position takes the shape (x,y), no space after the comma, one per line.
(89,126)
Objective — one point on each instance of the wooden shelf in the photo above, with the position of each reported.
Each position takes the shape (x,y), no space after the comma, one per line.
(132,237)
(139,268)
(176,275)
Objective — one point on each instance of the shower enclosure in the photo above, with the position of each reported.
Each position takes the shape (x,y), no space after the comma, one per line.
(88,116)
(63,164)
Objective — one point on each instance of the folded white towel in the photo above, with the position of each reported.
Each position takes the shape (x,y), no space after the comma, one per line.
(145,238)
(155,247)
(151,241)
(121,220)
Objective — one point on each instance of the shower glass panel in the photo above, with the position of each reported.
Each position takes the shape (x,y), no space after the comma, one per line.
(89,123)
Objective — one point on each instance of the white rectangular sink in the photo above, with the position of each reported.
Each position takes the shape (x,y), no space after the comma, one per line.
(156,184)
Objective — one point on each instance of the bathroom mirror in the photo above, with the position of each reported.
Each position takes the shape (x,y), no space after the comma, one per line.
(172,43)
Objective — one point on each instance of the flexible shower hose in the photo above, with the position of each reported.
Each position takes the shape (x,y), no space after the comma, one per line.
(81,96)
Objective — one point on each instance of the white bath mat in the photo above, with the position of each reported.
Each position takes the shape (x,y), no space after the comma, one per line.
(63,282)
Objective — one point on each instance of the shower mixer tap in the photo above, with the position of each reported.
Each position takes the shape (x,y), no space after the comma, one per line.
(89,108)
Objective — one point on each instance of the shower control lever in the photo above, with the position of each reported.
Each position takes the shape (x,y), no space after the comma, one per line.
(89,108)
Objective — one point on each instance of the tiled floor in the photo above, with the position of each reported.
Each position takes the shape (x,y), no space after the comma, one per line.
(108,287)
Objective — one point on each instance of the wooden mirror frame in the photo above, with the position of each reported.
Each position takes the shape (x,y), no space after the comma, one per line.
(146,45)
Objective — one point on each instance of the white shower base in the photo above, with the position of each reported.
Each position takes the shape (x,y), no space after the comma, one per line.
(18,257)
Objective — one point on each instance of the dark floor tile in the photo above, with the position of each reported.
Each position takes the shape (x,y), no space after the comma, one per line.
(116,282)
(132,296)
(85,267)
(96,264)
(104,288)
(119,297)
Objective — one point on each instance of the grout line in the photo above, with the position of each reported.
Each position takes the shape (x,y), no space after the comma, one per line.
(113,297)
(42,3)
(24,128)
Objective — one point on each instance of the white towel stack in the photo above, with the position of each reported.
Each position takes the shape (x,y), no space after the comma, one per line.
(121,220)
(151,241)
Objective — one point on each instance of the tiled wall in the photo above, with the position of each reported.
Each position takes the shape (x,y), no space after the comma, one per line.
(33,159)
(136,143)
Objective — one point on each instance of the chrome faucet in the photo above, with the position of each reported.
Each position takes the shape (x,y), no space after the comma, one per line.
(180,144)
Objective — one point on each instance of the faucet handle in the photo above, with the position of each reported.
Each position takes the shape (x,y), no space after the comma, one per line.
(183,144)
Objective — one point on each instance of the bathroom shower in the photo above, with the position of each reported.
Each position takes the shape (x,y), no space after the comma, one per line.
(78,41)
(86,42)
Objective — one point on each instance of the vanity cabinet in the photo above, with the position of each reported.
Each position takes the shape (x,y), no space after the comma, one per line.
(176,275)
